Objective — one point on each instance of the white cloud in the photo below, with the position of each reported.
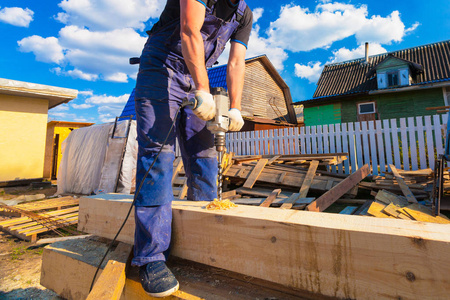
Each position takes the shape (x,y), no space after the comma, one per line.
(62,116)
(81,75)
(81,106)
(257,13)
(16,16)
(102,99)
(86,93)
(381,30)
(61,107)
(106,118)
(45,49)
(81,119)
(117,77)
(344,54)
(311,71)
(412,28)
(298,29)
(109,14)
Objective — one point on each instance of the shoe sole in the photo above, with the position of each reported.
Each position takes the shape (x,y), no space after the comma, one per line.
(165,293)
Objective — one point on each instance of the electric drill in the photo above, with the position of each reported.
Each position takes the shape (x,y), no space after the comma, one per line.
(218,126)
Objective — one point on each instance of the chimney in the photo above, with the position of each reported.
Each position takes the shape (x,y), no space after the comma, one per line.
(367,53)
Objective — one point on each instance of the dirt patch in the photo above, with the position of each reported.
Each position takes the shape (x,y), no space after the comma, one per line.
(20,262)
(21,270)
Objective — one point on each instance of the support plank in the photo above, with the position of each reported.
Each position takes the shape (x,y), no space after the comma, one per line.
(268,201)
(362,249)
(110,284)
(253,177)
(324,201)
(405,189)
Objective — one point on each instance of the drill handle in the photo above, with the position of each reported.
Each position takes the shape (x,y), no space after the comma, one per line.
(192,103)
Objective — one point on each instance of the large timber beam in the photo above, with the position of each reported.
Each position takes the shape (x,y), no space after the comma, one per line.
(344,256)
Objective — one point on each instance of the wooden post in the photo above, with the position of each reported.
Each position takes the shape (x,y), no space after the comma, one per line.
(110,284)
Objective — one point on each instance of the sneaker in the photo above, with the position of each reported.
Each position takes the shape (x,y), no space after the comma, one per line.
(157,280)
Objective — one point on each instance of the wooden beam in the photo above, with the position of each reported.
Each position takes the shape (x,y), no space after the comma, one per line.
(308,179)
(255,173)
(324,201)
(71,280)
(352,257)
(405,189)
(271,198)
(110,284)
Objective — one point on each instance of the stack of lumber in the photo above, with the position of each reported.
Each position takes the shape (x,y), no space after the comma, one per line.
(389,205)
(305,182)
(40,216)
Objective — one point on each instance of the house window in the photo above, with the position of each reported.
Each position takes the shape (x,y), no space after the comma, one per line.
(366,108)
(392,78)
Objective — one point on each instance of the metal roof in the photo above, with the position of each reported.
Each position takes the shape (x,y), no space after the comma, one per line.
(349,77)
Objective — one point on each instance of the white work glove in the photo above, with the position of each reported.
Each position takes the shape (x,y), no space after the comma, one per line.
(236,121)
(206,107)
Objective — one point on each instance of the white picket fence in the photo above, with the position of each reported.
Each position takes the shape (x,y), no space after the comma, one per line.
(378,143)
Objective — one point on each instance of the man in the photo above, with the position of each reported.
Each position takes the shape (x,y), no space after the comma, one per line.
(189,37)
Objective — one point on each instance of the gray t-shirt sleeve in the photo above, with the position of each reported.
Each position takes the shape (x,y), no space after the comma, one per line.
(242,33)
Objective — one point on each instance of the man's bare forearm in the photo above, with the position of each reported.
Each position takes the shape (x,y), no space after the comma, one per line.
(192,15)
(236,74)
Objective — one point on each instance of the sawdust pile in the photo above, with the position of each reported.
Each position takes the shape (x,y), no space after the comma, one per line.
(220,205)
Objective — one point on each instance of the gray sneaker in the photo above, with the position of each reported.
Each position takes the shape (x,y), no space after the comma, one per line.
(157,280)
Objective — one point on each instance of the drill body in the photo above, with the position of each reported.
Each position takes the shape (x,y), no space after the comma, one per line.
(218,126)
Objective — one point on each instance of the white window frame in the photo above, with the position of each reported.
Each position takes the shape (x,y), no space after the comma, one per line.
(366,113)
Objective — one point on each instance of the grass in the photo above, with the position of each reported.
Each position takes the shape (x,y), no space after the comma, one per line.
(17,252)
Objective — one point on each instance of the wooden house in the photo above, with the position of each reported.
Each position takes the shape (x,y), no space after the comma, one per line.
(392,85)
(266,99)
(23,125)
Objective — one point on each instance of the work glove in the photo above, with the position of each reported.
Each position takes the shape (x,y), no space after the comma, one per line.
(206,107)
(236,121)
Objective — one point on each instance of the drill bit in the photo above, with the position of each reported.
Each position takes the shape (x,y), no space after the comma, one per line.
(219,183)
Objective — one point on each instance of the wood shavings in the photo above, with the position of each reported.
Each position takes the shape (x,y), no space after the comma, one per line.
(220,205)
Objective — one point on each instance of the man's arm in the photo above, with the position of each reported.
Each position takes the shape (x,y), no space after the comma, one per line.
(235,73)
(192,16)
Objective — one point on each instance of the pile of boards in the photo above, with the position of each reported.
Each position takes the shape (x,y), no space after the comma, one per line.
(306,182)
(36,217)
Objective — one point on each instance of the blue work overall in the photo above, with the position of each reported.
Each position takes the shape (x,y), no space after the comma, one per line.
(163,82)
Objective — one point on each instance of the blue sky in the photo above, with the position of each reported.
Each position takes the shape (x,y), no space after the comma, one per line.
(86,44)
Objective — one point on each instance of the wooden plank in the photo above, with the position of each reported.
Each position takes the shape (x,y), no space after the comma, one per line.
(289,202)
(387,141)
(271,198)
(395,144)
(110,284)
(308,179)
(362,210)
(376,210)
(405,189)
(420,213)
(324,201)
(380,144)
(430,143)
(349,210)
(421,140)
(412,143)
(273,159)
(253,177)
(373,147)
(267,241)
(387,198)
(405,146)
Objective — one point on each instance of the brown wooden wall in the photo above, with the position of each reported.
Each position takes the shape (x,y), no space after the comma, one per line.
(259,88)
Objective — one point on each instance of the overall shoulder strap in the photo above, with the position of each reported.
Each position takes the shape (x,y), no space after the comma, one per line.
(211,4)
(240,11)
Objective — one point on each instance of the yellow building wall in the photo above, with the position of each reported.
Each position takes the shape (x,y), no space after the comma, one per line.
(23,126)
(63,134)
